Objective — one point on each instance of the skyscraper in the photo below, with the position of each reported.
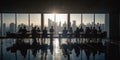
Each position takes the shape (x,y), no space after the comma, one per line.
(74,25)
(4,29)
(12,27)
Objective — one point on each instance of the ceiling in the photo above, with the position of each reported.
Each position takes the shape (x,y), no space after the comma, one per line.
(59,6)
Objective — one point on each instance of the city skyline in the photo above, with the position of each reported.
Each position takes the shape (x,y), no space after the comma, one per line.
(36,18)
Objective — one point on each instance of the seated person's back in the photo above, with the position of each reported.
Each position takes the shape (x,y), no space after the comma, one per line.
(38,29)
(51,29)
(64,32)
(24,30)
(81,29)
(77,33)
(20,30)
(99,30)
(45,32)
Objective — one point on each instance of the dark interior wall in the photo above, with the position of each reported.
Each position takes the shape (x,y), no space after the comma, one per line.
(119,25)
(114,25)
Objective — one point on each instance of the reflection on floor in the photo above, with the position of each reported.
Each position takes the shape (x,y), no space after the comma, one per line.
(59,49)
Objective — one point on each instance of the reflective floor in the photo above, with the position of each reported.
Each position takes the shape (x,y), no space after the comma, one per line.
(59,49)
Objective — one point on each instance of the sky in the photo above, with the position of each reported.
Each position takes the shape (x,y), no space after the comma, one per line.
(36,18)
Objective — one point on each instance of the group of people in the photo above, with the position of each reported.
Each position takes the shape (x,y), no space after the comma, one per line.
(35,30)
(76,33)
(86,31)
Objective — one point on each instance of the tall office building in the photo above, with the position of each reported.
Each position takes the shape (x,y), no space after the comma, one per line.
(4,29)
(74,25)
(12,27)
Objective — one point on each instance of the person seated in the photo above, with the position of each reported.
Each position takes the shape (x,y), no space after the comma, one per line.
(20,30)
(70,32)
(51,31)
(94,32)
(64,34)
(91,29)
(77,33)
(87,32)
(81,29)
(34,32)
(24,30)
(44,33)
(99,29)
(38,29)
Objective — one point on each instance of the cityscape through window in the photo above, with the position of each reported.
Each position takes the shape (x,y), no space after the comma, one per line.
(58,21)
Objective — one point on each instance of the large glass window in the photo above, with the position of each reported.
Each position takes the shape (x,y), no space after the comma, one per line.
(35,20)
(22,20)
(100,21)
(88,20)
(8,23)
(58,21)
(75,21)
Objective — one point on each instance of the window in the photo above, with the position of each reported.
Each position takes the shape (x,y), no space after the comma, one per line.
(22,20)
(88,20)
(75,21)
(35,20)
(8,23)
(100,21)
(58,21)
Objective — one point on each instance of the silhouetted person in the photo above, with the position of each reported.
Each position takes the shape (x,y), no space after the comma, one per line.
(64,34)
(20,30)
(70,32)
(94,32)
(77,33)
(81,29)
(99,29)
(51,31)
(44,33)
(24,30)
(87,32)
(91,29)
(34,33)
(38,29)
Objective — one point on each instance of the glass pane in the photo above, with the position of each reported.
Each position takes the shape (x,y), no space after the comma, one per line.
(75,21)
(88,20)
(61,20)
(22,20)
(58,21)
(35,20)
(8,23)
(100,21)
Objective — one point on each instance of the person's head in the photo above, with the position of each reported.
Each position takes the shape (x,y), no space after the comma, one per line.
(45,28)
(64,28)
(52,27)
(99,27)
(77,28)
(20,27)
(91,27)
(24,27)
(38,28)
(81,27)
